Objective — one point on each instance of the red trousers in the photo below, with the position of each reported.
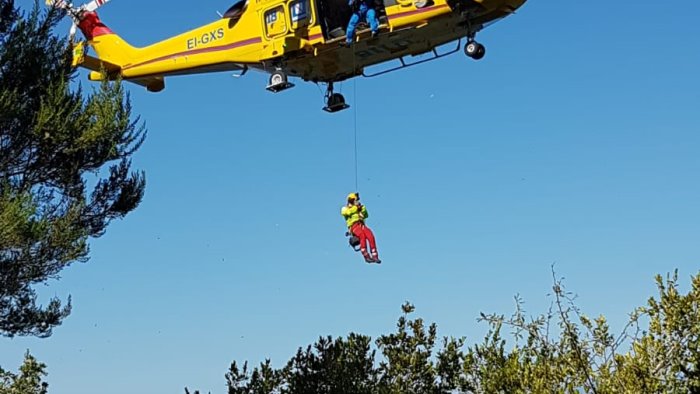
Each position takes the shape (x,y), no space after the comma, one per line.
(365,235)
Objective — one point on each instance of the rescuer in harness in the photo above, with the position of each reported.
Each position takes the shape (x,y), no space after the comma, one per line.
(355,214)
(362,10)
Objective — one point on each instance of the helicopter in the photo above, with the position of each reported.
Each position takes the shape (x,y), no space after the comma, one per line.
(288,38)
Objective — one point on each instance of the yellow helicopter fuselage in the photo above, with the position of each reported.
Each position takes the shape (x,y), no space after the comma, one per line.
(292,36)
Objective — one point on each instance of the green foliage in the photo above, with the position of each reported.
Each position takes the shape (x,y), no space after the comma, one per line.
(561,351)
(340,366)
(665,357)
(54,142)
(264,379)
(329,366)
(408,367)
(28,381)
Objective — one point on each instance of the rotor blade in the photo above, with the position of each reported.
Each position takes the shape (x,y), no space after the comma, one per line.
(73,30)
(57,3)
(94,4)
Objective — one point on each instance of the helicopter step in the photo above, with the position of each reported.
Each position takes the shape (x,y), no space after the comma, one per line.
(334,101)
(278,82)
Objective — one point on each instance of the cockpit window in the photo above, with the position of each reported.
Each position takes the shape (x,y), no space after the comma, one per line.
(236,10)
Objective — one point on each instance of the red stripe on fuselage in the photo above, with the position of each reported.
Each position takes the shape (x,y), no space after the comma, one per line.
(256,40)
(418,11)
(315,36)
(226,47)
(395,16)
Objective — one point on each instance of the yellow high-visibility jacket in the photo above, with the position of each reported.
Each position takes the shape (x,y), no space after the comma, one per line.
(353,214)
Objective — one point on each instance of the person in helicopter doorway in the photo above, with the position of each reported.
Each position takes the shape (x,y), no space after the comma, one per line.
(362,9)
(355,214)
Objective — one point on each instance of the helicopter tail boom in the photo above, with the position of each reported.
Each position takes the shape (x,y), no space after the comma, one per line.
(108,46)
(113,53)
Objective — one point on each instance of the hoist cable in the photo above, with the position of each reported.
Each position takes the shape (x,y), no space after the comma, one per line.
(357,187)
(354,93)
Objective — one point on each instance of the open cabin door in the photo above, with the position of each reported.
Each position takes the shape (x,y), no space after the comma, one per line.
(335,14)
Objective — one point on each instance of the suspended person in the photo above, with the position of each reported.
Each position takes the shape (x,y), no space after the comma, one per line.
(355,214)
(362,10)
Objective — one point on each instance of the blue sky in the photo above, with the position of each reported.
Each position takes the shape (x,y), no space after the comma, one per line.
(574,142)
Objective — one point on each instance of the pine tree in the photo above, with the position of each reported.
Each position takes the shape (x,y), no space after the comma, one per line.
(29,380)
(65,168)
(562,351)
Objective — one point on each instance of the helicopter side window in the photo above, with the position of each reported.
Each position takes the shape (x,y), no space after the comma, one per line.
(236,10)
(300,13)
(275,22)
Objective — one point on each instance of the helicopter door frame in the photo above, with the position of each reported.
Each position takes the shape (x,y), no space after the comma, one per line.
(275,21)
(288,18)
(302,14)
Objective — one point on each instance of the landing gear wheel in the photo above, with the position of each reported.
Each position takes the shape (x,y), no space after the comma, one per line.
(278,78)
(474,50)
(334,101)
(470,48)
(278,82)
(480,52)
(422,3)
